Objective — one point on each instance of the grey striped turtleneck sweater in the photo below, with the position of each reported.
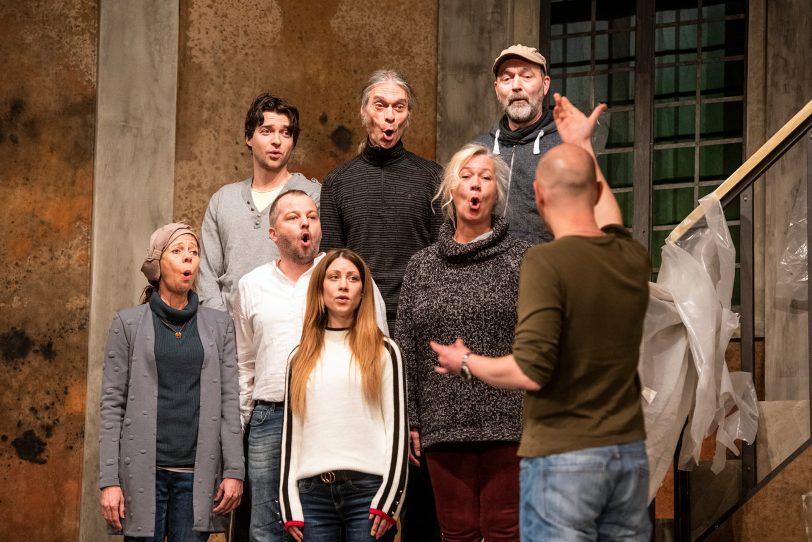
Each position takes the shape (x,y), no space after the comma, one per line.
(379,205)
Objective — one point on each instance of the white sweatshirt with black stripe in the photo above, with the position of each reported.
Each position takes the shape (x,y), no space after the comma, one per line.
(340,430)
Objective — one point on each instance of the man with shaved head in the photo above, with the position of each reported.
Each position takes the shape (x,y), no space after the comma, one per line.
(582,301)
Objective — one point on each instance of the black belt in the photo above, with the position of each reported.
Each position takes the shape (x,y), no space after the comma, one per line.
(333,476)
(263,402)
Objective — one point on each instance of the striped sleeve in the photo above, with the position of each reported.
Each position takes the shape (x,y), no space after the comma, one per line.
(289,504)
(390,496)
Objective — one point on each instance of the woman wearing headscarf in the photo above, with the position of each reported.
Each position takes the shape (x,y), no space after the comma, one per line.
(170,452)
(466,286)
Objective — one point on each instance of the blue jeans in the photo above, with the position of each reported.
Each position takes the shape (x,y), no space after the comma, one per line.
(174,516)
(264,450)
(339,511)
(592,494)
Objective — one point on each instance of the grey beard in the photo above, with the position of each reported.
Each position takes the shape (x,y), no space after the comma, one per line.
(521,112)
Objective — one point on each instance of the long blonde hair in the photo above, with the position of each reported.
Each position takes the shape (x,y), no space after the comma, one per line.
(365,338)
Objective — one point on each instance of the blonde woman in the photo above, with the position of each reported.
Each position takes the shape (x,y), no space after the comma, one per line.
(465,286)
(344,443)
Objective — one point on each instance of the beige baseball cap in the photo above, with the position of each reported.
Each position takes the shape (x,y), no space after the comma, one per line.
(531,54)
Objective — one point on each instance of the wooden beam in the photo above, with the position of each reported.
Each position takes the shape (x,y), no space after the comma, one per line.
(766,153)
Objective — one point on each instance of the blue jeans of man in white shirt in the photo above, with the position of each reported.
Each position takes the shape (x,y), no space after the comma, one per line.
(264,449)
(586,495)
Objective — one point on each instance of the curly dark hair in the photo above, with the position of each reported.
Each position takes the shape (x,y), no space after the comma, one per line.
(272,104)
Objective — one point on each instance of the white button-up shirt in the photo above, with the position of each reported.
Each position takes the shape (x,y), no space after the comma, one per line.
(268,318)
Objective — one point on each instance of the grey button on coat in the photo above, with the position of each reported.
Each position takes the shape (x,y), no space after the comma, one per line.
(129,408)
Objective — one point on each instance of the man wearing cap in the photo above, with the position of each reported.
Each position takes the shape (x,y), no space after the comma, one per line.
(524,133)
(234,236)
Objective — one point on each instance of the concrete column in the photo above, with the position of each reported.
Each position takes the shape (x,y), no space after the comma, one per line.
(133,185)
(470,36)
(788,46)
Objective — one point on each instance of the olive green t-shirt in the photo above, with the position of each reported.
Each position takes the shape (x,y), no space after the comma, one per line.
(582,301)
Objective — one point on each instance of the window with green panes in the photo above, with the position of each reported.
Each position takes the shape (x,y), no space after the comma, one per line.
(697,109)
(592,60)
(698,125)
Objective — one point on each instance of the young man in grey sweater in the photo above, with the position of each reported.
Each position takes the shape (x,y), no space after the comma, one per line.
(234,237)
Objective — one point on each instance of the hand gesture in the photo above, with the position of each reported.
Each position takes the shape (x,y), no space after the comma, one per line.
(449,356)
(573,126)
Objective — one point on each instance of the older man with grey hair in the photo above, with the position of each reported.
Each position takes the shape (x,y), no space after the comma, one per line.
(523,134)
(379,204)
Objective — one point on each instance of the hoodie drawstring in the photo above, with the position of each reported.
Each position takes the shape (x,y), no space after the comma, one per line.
(536,144)
(496,143)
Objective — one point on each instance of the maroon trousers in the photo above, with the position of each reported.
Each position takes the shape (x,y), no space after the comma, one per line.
(476,489)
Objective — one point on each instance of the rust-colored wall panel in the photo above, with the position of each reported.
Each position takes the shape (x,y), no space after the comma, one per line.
(47,106)
(317,55)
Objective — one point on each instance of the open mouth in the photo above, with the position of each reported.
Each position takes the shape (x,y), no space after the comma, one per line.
(474,202)
(187,274)
(305,238)
(389,134)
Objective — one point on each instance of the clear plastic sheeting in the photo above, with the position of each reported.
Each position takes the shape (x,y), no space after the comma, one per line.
(682,363)
(793,276)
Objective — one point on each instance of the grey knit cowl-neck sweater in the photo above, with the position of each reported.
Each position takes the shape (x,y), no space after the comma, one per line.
(469,291)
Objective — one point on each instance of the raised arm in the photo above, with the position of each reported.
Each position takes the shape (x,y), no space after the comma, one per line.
(502,372)
(576,128)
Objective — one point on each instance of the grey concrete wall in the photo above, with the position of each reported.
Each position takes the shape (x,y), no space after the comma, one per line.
(133,184)
(787,88)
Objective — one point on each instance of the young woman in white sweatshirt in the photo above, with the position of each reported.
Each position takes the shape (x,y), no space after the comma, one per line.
(344,443)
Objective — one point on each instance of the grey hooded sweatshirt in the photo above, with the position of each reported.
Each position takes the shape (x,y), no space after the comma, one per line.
(522,152)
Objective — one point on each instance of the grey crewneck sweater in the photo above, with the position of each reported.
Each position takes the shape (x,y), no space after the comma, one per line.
(234,239)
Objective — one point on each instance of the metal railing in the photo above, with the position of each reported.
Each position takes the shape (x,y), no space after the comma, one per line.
(740,185)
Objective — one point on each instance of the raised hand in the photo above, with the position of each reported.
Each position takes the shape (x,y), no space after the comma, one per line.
(573,125)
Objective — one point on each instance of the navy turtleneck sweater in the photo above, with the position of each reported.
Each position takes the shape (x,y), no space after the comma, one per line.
(379,205)
(179,362)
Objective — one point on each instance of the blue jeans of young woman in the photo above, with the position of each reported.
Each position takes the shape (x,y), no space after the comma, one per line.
(591,494)
(339,511)
(174,516)
(264,450)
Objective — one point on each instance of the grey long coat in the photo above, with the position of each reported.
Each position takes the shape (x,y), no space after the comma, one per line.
(129,410)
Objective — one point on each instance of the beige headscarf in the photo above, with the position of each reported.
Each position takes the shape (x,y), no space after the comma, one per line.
(158,241)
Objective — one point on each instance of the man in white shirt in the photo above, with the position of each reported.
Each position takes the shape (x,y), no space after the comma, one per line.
(268,316)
